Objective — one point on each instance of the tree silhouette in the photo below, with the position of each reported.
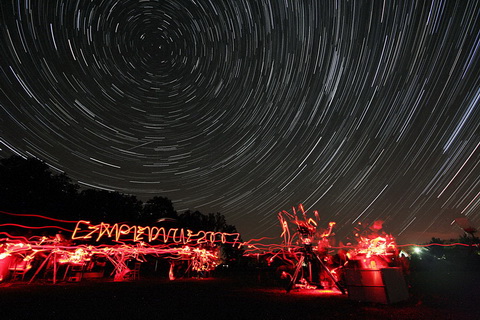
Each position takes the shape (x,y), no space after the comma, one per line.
(193,220)
(158,208)
(107,206)
(437,251)
(196,221)
(29,186)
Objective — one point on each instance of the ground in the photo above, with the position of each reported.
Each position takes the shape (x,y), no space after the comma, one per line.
(444,292)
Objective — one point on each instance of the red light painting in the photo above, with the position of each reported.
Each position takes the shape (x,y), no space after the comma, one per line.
(308,257)
(117,243)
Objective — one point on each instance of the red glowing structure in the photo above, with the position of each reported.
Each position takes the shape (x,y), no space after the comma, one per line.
(303,254)
(310,259)
(372,247)
(91,246)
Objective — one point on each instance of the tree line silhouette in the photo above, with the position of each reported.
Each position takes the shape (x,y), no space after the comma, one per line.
(28,186)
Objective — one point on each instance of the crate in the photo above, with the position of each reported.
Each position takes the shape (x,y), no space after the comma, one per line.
(386,285)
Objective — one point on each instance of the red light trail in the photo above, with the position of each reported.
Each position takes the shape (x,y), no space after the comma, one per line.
(199,249)
(149,234)
(302,242)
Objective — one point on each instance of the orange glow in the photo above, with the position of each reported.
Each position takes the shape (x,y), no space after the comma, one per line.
(320,292)
(79,256)
(3,255)
(376,246)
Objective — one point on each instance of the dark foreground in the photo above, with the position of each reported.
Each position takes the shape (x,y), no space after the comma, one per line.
(450,294)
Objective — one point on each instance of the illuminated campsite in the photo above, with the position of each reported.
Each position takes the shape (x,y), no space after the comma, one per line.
(239,159)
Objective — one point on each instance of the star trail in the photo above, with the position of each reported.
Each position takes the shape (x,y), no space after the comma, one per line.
(362,110)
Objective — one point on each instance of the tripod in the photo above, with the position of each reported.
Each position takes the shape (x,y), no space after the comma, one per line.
(310,257)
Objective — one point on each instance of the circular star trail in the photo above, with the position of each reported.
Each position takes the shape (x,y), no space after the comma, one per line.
(362,110)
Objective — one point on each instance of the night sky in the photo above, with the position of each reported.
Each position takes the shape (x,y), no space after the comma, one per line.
(362,110)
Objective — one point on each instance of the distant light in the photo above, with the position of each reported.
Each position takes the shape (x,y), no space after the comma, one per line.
(417,250)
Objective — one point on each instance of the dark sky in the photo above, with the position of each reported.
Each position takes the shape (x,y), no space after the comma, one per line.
(362,110)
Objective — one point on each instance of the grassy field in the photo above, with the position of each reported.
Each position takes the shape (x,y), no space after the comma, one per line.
(437,291)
